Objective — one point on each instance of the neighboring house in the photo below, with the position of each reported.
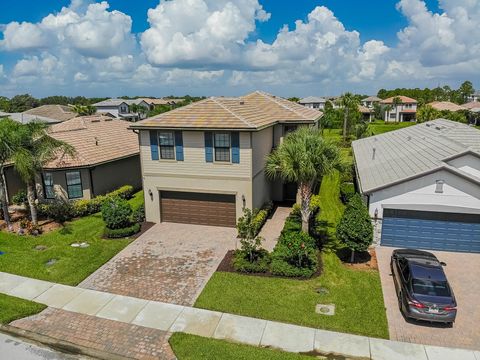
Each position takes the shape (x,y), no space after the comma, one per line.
(367,113)
(107,157)
(406,110)
(313,102)
(472,106)
(474,97)
(422,184)
(204,162)
(56,112)
(445,105)
(121,108)
(154,102)
(368,102)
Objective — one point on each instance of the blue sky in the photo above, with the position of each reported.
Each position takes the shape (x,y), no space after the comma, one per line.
(338,62)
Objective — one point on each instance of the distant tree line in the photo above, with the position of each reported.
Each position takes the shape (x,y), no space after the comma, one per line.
(425,96)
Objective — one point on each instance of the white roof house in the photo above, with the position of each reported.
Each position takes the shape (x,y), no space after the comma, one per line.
(420,177)
(120,108)
(313,102)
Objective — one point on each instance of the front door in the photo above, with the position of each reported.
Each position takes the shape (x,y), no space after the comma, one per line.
(290,191)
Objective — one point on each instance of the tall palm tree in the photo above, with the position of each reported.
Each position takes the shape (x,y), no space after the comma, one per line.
(349,103)
(83,110)
(303,157)
(8,145)
(36,149)
(396,102)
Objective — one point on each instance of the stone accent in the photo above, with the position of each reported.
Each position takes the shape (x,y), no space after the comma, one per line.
(377,231)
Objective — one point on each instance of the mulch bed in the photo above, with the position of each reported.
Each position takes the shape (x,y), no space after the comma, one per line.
(226,265)
(146,225)
(366,260)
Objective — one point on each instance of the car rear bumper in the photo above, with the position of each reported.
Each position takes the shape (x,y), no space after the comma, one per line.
(447,317)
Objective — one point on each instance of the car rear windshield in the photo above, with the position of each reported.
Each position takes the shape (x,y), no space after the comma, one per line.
(430,288)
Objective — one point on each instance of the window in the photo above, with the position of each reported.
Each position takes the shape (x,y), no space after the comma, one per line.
(289,128)
(74,185)
(123,109)
(430,288)
(393,115)
(166,141)
(48,185)
(439,186)
(222,147)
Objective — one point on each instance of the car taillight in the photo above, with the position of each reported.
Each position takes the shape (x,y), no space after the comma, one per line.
(450,308)
(416,304)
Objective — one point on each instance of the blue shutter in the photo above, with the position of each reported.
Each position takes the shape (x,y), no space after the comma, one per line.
(208,146)
(179,145)
(235,136)
(154,144)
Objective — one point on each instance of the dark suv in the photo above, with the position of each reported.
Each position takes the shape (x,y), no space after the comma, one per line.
(422,288)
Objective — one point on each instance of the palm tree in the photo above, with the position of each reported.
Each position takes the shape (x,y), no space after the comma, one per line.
(83,110)
(303,157)
(36,148)
(396,102)
(8,145)
(427,113)
(349,103)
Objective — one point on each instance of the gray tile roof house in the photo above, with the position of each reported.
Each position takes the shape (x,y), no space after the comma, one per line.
(399,155)
(422,185)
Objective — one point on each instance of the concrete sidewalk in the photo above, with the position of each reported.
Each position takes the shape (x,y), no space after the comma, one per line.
(273,227)
(251,331)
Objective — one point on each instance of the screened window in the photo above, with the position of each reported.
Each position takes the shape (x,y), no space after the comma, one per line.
(222,147)
(166,141)
(48,185)
(74,185)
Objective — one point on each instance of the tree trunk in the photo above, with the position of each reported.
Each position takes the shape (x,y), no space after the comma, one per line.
(3,200)
(352,256)
(305,196)
(31,203)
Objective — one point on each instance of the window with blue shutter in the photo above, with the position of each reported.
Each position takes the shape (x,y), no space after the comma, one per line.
(208,146)
(235,147)
(179,145)
(154,144)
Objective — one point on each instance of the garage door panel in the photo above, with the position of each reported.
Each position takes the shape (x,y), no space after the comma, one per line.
(424,233)
(198,208)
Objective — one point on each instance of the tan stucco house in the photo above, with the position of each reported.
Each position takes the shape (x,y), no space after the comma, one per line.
(106,157)
(203,163)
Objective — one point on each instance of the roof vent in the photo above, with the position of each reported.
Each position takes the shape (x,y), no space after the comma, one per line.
(373,153)
(428,124)
(409,138)
(242,102)
(96,141)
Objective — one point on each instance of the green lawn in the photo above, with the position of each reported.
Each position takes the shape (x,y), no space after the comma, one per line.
(380,127)
(191,347)
(73,264)
(13,308)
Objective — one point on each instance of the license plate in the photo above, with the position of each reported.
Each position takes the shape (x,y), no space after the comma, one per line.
(433,310)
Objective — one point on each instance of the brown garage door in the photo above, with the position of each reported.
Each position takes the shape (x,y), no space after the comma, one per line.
(198,208)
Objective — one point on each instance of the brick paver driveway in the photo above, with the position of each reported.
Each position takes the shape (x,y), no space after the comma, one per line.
(169,263)
(463,273)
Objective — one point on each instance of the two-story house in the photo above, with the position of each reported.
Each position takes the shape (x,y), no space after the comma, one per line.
(203,163)
(121,108)
(368,102)
(404,110)
(313,102)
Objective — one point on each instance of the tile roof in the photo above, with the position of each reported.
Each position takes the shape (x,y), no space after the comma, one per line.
(410,152)
(56,112)
(312,100)
(117,102)
(161,101)
(445,105)
(404,99)
(253,111)
(472,105)
(372,98)
(97,139)
(26,118)
(364,109)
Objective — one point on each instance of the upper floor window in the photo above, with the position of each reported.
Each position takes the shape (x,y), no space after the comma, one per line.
(74,185)
(439,186)
(222,145)
(48,185)
(124,109)
(166,141)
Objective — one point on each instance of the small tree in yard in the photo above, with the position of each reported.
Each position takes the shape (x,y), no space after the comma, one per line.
(116,213)
(355,229)
(248,229)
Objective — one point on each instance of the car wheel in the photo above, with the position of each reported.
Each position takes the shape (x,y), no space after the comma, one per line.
(399,298)
(449,324)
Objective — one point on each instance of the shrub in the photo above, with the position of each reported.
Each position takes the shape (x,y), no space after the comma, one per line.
(81,208)
(248,229)
(259,219)
(116,213)
(57,210)
(125,192)
(293,224)
(139,214)
(121,233)
(347,174)
(355,228)
(315,203)
(260,264)
(347,190)
(20,198)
